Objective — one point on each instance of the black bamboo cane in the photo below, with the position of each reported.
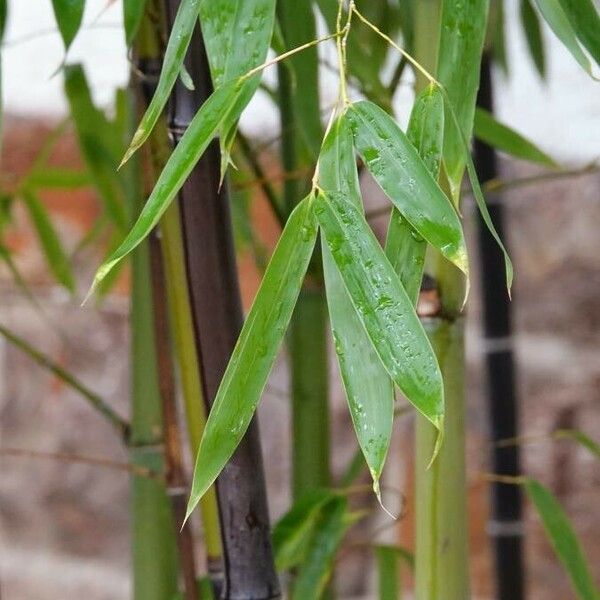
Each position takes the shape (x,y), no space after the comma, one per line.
(249,572)
(505,525)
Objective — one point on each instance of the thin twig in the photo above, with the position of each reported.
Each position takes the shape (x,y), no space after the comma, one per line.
(99,404)
(107,463)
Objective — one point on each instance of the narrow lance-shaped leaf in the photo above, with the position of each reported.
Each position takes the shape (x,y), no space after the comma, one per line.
(563,539)
(384,309)
(194,142)
(237,37)
(256,349)
(555,16)
(368,387)
(179,40)
(133,10)
(533,36)
(314,573)
(494,133)
(396,166)
(584,19)
(462,35)
(584,440)
(404,247)
(388,571)
(55,255)
(293,532)
(68,14)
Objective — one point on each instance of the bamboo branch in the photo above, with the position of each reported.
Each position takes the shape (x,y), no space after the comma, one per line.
(94,400)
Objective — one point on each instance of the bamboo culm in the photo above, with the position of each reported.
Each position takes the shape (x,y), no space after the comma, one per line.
(249,571)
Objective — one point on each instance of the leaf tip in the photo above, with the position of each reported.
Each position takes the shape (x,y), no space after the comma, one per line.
(377,491)
(438,422)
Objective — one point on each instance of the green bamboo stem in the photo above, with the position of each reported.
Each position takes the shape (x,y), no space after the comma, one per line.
(441,571)
(187,359)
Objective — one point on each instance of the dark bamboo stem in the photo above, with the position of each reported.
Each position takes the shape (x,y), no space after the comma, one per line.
(249,572)
(174,470)
(505,525)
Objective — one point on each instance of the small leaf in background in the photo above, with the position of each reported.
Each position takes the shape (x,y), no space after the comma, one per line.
(401,173)
(404,247)
(503,138)
(68,14)
(293,532)
(316,569)
(382,305)
(133,11)
(58,178)
(533,36)
(563,539)
(388,571)
(578,436)
(52,247)
(584,19)
(192,145)
(556,19)
(179,40)
(369,389)
(463,30)
(256,349)
(97,143)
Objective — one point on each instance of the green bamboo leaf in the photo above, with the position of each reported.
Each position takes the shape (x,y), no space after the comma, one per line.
(237,37)
(556,19)
(533,36)
(256,349)
(316,570)
(179,40)
(194,142)
(396,166)
(502,137)
(585,21)
(96,140)
(54,253)
(563,539)
(68,14)
(382,305)
(404,247)
(388,558)
(578,436)
(133,11)
(463,30)
(293,532)
(369,390)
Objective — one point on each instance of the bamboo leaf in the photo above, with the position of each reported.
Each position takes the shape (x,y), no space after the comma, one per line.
(502,137)
(584,440)
(533,36)
(585,21)
(463,30)
(388,572)
(237,37)
(97,143)
(563,539)
(314,573)
(556,19)
(256,349)
(194,142)
(179,40)
(293,532)
(54,253)
(396,166)
(404,247)
(382,305)
(68,14)
(133,11)
(369,390)
(58,178)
